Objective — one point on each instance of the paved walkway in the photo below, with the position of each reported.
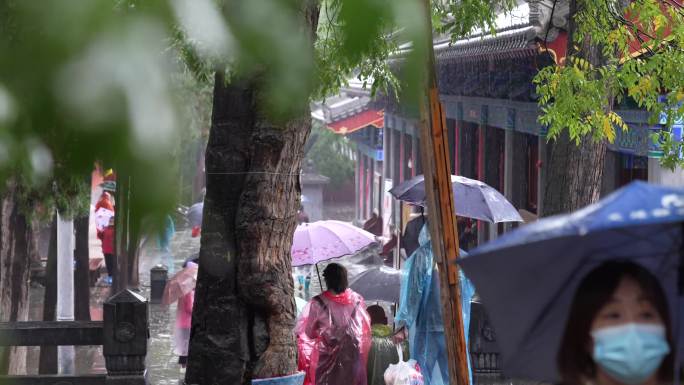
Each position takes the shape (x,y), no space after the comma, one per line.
(162,364)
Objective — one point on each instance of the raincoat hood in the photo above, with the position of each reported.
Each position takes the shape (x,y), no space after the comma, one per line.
(345,298)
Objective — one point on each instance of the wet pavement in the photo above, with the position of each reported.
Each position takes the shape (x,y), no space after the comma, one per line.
(162,364)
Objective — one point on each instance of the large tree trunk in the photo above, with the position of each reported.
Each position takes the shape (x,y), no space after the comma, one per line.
(198,182)
(265,223)
(243,319)
(219,346)
(17,247)
(81,275)
(574,174)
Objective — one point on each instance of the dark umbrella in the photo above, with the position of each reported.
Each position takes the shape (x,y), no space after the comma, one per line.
(192,258)
(194,214)
(474,199)
(378,284)
(528,277)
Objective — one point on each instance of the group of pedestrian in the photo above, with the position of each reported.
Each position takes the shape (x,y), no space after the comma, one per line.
(618,331)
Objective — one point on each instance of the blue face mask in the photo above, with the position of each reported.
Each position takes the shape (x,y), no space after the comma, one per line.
(630,353)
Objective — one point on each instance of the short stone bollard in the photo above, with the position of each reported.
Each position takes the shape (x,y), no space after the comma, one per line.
(484,351)
(125,335)
(158,277)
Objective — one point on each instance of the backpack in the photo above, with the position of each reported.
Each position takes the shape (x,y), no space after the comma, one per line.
(347,351)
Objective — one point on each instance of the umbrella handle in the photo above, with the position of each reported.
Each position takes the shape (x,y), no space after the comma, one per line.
(320,283)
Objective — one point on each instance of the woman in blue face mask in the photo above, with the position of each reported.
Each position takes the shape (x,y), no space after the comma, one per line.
(618,330)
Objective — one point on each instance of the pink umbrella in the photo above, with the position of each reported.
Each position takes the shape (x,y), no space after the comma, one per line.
(324,240)
(180,284)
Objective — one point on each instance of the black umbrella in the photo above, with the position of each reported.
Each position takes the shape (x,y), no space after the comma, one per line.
(378,284)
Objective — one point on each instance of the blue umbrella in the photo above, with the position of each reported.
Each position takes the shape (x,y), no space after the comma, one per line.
(528,277)
(474,199)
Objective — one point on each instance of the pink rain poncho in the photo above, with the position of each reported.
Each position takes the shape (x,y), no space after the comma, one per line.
(181,336)
(333,339)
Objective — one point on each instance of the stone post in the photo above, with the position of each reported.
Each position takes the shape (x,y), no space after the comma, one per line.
(65,288)
(125,337)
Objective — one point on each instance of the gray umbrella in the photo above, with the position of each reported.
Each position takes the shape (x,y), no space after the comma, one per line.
(378,284)
(474,199)
(195,214)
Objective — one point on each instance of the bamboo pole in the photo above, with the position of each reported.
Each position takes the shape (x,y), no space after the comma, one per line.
(441,208)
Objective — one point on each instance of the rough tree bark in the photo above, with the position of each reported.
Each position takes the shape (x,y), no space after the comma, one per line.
(219,341)
(244,306)
(574,173)
(17,246)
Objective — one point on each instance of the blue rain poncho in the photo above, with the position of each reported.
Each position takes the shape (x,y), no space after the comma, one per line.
(420,310)
(166,234)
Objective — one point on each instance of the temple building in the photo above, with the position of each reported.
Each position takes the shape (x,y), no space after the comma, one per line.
(485,84)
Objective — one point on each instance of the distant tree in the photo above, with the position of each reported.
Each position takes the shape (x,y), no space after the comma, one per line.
(78,84)
(618,50)
(331,154)
(195,99)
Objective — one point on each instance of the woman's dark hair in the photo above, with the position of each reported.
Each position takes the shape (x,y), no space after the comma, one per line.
(335,276)
(377,315)
(575,362)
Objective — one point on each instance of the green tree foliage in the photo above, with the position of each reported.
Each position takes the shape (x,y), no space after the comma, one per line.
(82,82)
(87,81)
(642,45)
(355,38)
(194,98)
(331,155)
(461,18)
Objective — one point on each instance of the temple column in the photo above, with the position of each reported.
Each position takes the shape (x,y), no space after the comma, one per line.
(481,159)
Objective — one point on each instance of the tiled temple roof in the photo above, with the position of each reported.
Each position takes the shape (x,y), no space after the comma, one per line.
(518,33)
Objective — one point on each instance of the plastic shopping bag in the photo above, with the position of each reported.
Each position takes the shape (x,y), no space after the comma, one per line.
(403,372)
